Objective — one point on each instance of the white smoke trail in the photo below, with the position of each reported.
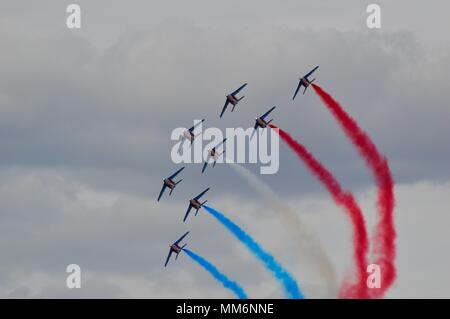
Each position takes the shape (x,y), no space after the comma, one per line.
(310,247)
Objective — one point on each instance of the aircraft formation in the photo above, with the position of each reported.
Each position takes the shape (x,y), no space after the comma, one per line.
(214,154)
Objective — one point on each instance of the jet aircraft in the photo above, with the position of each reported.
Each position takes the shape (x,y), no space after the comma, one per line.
(304,81)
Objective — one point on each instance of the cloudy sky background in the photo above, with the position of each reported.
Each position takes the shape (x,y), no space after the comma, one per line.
(86,117)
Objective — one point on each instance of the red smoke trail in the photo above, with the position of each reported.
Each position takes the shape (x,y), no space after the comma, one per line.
(384,246)
(342,198)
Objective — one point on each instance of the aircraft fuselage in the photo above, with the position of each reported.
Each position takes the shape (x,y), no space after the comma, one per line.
(188,135)
(214,154)
(232,99)
(305,82)
(261,122)
(175,248)
(195,204)
(169,183)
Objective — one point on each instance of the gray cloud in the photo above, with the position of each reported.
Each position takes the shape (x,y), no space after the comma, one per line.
(120,242)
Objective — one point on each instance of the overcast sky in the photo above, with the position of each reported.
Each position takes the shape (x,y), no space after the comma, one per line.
(86,117)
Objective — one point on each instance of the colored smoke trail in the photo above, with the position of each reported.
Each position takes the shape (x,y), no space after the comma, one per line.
(288,282)
(385,235)
(342,198)
(227,283)
(310,247)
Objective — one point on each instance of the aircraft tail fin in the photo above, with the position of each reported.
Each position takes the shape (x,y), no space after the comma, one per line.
(171,190)
(241,98)
(269,122)
(308,85)
(214,164)
(223,152)
(233,107)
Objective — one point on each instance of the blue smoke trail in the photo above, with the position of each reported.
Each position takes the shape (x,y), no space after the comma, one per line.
(289,283)
(227,283)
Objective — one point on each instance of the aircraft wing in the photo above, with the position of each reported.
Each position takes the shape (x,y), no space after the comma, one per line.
(161,192)
(168,258)
(204,166)
(220,143)
(224,108)
(193,128)
(254,131)
(238,90)
(298,88)
(267,113)
(181,238)
(187,213)
(311,72)
(176,173)
(201,194)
